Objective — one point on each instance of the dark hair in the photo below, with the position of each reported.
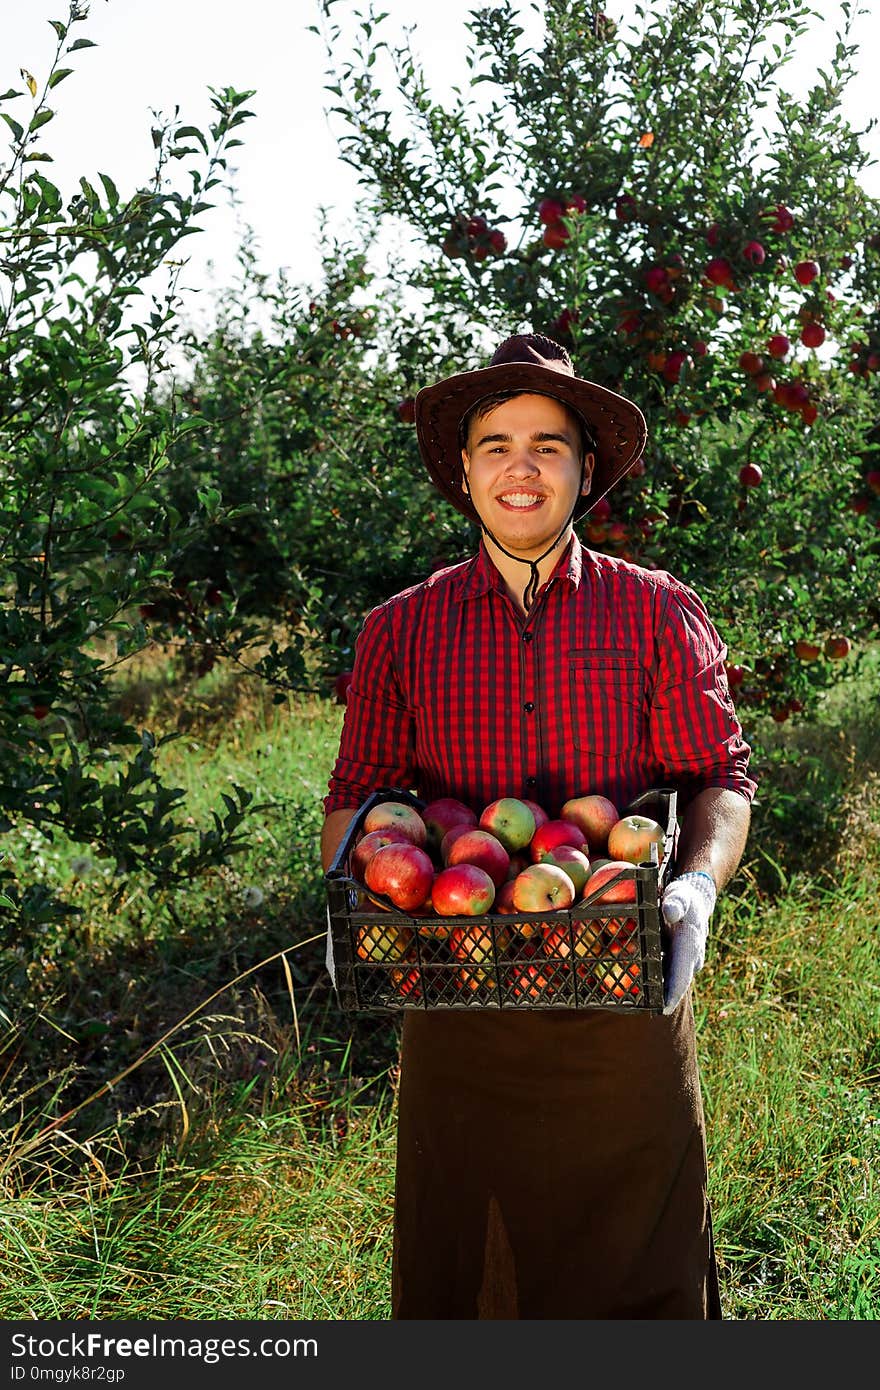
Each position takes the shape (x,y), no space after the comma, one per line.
(487,404)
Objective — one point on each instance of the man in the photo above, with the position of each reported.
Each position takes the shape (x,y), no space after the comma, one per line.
(550,1163)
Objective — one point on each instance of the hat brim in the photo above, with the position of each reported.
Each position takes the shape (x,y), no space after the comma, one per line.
(617,424)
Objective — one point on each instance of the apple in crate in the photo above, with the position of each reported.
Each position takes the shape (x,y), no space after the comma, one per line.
(367,846)
(573,861)
(450,838)
(620,976)
(632,838)
(441,815)
(474,944)
(462,890)
(595,815)
(504,897)
(533,982)
(622,891)
(408,983)
(402,872)
(587,938)
(542,888)
(383,941)
(510,820)
(555,832)
(479,847)
(397,814)
(537,811)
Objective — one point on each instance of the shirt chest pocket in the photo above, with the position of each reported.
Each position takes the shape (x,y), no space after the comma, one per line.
(607,698)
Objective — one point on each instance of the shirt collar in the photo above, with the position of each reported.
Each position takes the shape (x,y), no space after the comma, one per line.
(480,574)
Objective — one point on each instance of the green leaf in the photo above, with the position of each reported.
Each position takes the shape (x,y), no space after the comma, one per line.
(17,130)
(80,43)
(59,75)
(41,118)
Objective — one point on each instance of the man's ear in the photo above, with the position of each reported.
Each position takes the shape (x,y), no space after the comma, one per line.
(589,465)
(465,465)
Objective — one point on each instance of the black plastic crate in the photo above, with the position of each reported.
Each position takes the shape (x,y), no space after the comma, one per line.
(591,955)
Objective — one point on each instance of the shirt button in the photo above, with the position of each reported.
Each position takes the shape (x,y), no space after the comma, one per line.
(529,706)
(527,636)
(531,781)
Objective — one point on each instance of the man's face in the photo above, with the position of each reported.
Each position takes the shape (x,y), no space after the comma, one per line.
(523,468)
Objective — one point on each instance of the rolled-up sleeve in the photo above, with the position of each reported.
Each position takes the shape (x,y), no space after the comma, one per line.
(695,733)
(376,747)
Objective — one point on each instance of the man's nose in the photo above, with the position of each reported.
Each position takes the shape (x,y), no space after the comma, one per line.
(521,463)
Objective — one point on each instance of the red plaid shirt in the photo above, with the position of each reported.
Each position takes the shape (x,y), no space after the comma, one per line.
(614,683)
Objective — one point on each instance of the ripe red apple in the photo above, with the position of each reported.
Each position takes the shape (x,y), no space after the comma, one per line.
(780,219)
(805,272)
(555,832)
(778,345)
(632,837)
(623,891)
(807,651)
(406,410)
(750,475)
(837,647)
(872,478)
(542,816)
(594,814)
(541,888)
(655,278)
(397,813)
(510,820)
(340,687)
(403,872)
(809,413)
(383,941)
(735,676)
(555,236)
(367,846)
(39,711)
(586,936)
(754,253)
(763,381)
(751,363)
(450,838)
(441,815)
(462,890)
(812,335)
(498,241)
(573,862)
(504,898)
(518,862)
(719,271)
(476,846)
(550,211)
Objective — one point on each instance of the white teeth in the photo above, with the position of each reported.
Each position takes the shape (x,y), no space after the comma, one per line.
(520,499)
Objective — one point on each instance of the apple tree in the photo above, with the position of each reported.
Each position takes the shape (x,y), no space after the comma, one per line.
(87,434)
(646,191)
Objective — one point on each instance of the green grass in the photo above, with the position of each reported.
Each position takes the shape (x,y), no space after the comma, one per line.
(240,1165)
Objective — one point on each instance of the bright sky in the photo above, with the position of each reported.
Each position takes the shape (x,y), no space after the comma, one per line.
(153,54)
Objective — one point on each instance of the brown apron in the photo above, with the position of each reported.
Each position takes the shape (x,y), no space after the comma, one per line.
(551,1164)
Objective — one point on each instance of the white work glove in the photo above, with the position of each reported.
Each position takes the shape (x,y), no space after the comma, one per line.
(686,905)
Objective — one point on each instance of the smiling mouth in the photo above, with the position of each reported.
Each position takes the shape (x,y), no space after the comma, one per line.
(521,501)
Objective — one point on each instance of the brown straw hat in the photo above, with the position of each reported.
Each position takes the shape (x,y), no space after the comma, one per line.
(533,363)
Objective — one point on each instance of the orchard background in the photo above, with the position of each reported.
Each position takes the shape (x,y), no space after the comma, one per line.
(195,520)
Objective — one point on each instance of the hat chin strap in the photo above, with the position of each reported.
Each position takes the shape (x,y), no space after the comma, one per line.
(531,588)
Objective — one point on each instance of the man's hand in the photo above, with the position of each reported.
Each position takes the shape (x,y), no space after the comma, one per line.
(687,905)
